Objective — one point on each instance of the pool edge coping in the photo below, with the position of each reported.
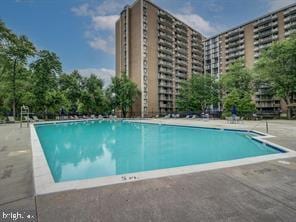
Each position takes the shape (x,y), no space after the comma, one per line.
(45,184)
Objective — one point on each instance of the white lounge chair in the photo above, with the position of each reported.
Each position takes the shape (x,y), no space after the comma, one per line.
(28,119)
(11,119)
(36,119)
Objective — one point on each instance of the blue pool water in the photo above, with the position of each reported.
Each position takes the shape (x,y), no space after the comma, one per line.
(81,150)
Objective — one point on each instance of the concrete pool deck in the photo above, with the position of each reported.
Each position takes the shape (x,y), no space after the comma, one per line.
(259,192)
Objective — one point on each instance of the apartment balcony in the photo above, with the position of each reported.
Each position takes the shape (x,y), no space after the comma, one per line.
(165,43)
(165,50)
(180,25)
(234,38)
(234,32)
(181,56)
(165,23)
(268,105)
(181,31)
(235,44)
(165,105)
(165,71)
(181,38)
(181,44)
(290,18)
(261,47)
(290,32)
(165,91)
(266,40)
(266,33)
(165,36)
(290,10)
(181,63)
(181,68)
(197,63)
(291,25)
(265,20)
(165,57)
(165,84)
(165,29)
(165,98)
(165,64)
(165,16)
(182,51)
(197,47)
(241,47)
(165,77)
(234,55)
(197,56)
(265,27)
(182,75)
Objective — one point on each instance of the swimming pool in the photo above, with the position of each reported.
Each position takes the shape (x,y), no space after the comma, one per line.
(94,149)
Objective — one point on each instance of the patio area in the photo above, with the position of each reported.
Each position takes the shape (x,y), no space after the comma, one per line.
(259,192)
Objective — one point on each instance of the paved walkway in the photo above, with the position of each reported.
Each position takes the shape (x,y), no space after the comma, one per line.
(258,192)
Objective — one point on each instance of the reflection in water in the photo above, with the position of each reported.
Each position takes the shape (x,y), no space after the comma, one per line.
(104,148)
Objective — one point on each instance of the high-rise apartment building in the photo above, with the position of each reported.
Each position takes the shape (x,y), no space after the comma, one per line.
(246,42)
(157,51)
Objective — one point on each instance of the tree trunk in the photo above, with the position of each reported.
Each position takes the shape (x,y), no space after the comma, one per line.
(14,88)
(288,102)
(123,112)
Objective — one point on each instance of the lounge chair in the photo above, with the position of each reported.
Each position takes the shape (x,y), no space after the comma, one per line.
(11,119)
(92,116)
(177,115)
(100,117)
(188,116)
(28,119)
(36,119)
(193,116)
(167,116)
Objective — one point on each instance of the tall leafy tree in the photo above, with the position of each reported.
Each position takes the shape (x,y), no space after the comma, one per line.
(198,93)
(92,98)
(277,67)
(15,50)
(237,89)
(124,93)
(71,85)
(46,70)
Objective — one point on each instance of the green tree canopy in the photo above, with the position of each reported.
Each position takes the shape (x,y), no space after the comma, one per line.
(237,88)
(14,52)
(92,99)
(46,70)
(277,67)
(123,92)
(198,93)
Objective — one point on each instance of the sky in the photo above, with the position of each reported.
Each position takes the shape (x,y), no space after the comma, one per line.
(81,32)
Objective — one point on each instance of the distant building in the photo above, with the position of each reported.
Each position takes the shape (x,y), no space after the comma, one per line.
(157,51)
(247,42)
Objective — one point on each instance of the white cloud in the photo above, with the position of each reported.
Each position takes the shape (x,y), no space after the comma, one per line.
(104,22)
(104,44)
(198,23)
(277,4)
(100,33)
(102,73)
(82,10)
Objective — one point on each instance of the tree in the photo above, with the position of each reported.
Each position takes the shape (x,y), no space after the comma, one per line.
(15,51)
(46,69)
(71,86)
(244,103)
(92,99)
(124,93)
(238,77)
(237,88)
(277,67)
(198,93)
